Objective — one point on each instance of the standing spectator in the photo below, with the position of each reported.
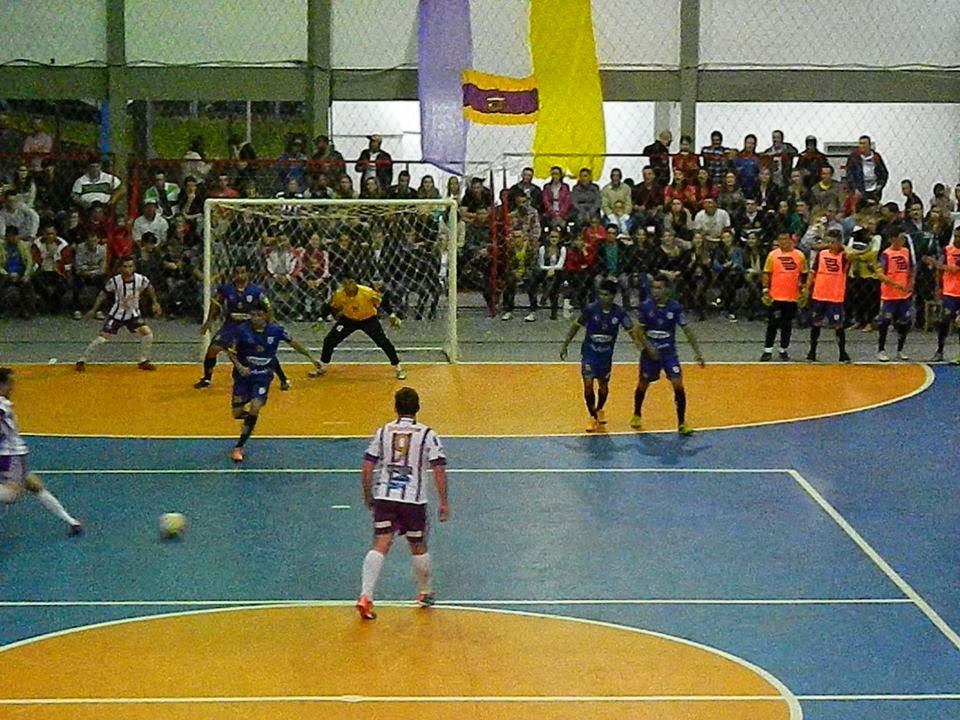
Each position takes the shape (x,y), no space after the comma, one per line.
(526,187)
(150,222)
(291,163)
(924,246)
(699,274)
(52,257)
(747,163)
(14,212)
(941,200)
(810,162)
(714,157)
(10,142)
(402,190)
(514,249)
(585,198)
(659,153)
(326,159)
(193,161)
(556,199)
(577,271)
(551,259)
(16,270)
(614,190)
(53,191)
(729,271)
(375,162)
(243,152)
(778,158)
(165,195)
(191,208)
(712,220)
(866,171)
(38,145)
(24,187)
(647,196)
(909,196)
(863,251)
(685,163)
(89,270)
(96,186)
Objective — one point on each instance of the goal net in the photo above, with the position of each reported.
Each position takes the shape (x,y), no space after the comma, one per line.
(296,250)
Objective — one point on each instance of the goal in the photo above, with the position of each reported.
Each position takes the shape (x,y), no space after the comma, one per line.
(296,250)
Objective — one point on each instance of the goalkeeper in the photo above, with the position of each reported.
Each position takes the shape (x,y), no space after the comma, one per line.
(355,307)
(784,275)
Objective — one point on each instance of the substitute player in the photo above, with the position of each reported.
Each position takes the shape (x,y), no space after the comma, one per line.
(948,270)
(659,317)
(601,321)
(393,476)
(898,270)
(355,307)
(252,353)
(827,285)
(233,300)
(15,474)
(784,275)
(126,287)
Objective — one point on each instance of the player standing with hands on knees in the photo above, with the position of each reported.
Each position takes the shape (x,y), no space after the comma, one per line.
(394,476)
(601,321)
(659,316)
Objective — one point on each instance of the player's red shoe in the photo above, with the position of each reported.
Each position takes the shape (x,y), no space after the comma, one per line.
(365,608)
(236,454)
(146,365)
(426,599)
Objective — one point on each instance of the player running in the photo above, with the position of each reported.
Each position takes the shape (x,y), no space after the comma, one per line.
(601,321)
(15,474)
(898,270)
(784,273)
(394,488)
(233,300)
(252,353)
(659,316)
(948,289)
(827,285)
(126,287)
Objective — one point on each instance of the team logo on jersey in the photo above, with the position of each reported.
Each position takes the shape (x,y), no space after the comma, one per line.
(832,264)
(614,321)
(271,340)
(669,316)
(901,262)
(788,263)
(260,348)
(249,298)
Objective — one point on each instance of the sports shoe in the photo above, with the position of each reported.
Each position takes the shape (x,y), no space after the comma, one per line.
(844,358)
(685,429)
(811,356)
(883,357)
(901,355)
(365,608)
(80,366)
(955,361)
(937,357)
(506,316)
(285,385)
(77,315)
(592,425)
(395,320)
(146,365)
(99,315)
(202,383)
(784,355)
(766,356)
(401,375)
(601,417)
(425,599)
(636,422)
(236,454)
(867,328)
(731,317)
(75,529)
(317,372)
(531,317)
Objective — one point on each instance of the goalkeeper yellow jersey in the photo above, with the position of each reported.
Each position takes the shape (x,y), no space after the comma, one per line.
(359,307)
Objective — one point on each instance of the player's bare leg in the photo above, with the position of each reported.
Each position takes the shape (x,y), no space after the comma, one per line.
(34,486)
(636,422)
(249,413)
(146,343)
(209,363)
(680,400)
(372,565)
(99,340)
(420,558)
(603,390)
(590,398)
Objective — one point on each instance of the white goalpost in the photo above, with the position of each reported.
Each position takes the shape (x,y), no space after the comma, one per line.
(296,249)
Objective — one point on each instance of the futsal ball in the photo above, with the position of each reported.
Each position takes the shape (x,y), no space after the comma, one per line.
(172,525)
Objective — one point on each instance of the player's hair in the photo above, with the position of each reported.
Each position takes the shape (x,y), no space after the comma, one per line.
(834,234)
(5,374)
(125,259)
(406,401)
(259,307)
(609,286)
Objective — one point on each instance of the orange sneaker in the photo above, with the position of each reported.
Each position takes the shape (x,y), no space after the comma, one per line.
(236,454)
(592,425)
(365,608)
(601,417)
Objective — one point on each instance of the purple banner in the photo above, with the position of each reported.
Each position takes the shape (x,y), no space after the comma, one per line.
(445,51)
(507,102)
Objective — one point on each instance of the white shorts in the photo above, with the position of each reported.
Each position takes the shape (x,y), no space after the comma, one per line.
(14,469)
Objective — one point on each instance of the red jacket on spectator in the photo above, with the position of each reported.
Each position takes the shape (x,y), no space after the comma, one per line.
(119,243)
(563,198)
(687,195)
(577,260)
(62,255)
(593,238)
(686,164)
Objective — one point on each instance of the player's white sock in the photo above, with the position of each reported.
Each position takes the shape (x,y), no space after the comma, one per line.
(7,494)
(47,499)
(146,342)
(421,569)
(372,564)
(94,344)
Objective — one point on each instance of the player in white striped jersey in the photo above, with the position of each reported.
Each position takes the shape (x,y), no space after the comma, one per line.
(394,476)
(15,474)
(126,287)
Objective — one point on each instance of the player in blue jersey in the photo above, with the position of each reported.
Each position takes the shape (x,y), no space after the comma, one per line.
(252,351)
(233,301)
(659,316)
(601,321)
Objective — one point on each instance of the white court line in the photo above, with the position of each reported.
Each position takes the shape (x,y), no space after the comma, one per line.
(450,471)
(905,587)
(456,603)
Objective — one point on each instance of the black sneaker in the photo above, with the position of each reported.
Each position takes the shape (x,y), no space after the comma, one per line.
(766,357)
(844,358)
(784,355)
(811,356)
(202,383)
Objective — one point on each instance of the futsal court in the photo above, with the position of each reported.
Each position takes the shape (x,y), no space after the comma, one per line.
(794,558)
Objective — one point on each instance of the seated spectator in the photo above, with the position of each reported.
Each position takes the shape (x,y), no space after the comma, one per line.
(165,195)
(680,190)
(182,279)
(671,259)
(223,188)
(809,163)
(24,186)
(866,171)
(38,145)
(291,163)
(475,209)
(10,140)
(514,248)
(319,187)
(525,218)
(370,190)
(374,161)
(16,269)
(577,272)
(939,225)
(152,222)
(768,194)
(621,218)
(685,163)
(344,189)
(53,191)
(326,159)
(712,220)
(193,161)
(244,152)
(117,236)
(74,231)
(428,189)
(747,164)
(941,200)
(52,258)
(798,190)
(453,191)
(98,223)
(191,209)
(647,196)
(89,271)
(315,276)
(749,222)
(150,263)
(754,256)
(678,221)
(14,212)
(659,153)
(615,190)
(290,192)
(551,259)
(698,274)
(402,190)
(613,261)
(826,194)
(585,199)
(778,159)
(556,199)
(526,187)
(704,188)
(731,197)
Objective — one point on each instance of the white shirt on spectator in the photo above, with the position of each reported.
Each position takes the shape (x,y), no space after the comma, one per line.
(49,254)
(281,262)
(542,258)
(25,219)
(90,260)
(100,189)
(712,225)
(158,226)
(869,173)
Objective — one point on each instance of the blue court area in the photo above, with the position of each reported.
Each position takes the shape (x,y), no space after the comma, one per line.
(822,551)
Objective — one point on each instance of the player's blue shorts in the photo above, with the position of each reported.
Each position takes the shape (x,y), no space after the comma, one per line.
(666,362)
(112,327)
(899,312)
(225,336)
(827,313)
(595,366)
(951,306)
(252,387)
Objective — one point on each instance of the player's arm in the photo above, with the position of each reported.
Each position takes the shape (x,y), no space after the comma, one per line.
(639,336)
(366,480)
(151,295)
(765,277)
(242,369)
(212,314)
(692,339)
(886,280)
(305,352)
(440,481)
(571,333)
(98,303)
